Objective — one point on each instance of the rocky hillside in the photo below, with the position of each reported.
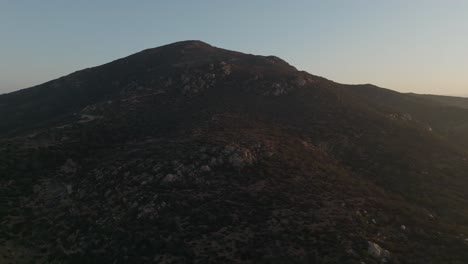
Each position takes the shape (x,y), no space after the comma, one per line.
(189,153)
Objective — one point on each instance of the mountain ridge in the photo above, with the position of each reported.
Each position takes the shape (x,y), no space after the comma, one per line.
(160,155)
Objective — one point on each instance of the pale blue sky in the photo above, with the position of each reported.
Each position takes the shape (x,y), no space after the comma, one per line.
(405,45)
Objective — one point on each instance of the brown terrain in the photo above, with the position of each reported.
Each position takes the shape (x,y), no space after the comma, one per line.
(188,153)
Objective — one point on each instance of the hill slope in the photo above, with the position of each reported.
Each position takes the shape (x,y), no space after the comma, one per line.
(192,154)
(460,102)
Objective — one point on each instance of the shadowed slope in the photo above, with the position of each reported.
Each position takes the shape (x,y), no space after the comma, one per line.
(189,153)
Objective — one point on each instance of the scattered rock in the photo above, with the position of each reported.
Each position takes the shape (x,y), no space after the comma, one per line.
(228,150)
(69,168)
(169,178)
(241,158)
(226,68)
(278,90)
(156,168)
(213,161)
(300,82)
(69,189)
(186,88)
(377,252)
(205,168)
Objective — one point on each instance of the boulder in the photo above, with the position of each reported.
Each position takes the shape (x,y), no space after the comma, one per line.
(377,252)
(205,168)
(170,178)
(69,189)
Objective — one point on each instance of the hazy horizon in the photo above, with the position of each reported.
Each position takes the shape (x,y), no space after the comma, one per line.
(416,46)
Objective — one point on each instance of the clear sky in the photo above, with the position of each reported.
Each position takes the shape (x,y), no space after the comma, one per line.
(406,45)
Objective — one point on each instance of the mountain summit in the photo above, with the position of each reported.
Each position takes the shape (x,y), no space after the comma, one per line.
(188,153)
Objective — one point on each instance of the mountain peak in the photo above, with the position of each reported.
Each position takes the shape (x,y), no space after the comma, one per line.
(190,43)
(186,44)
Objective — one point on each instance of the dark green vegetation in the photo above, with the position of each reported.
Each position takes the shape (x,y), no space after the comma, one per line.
(193,154)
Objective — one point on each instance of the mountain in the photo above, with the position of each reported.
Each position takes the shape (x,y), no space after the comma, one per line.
(188,153)
(460,102)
